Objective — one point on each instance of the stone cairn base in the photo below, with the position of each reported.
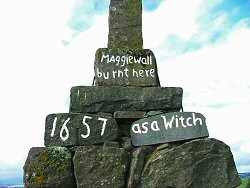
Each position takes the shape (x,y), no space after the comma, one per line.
(91,146)
(127,131)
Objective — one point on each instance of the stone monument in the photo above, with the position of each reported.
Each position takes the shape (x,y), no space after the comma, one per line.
(126,131)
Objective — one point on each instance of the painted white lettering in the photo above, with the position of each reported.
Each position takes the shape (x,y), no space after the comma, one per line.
(188,123)
(104,57)
(182,121)
(137,60)
(196,119)
(117,59)
(103,125)
(87,126)
(154,126)
(54,127)
(147,73)
(145,129)
(106,76)
(64,128)
(176,121)
(120,73)
(112,59)
(136,128)
(114,73)
(126,72)
(99,74)
(144,61)
(141,73)
(130,58)
(152,71)
(123,60)
(135,73)
(169,123)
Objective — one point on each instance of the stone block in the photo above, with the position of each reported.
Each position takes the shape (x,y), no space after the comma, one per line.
(92,99)
(130,114)
(116,67)
(49,167)
(70,129)
(168,127)
(206,163)
(125,24)
(97,166)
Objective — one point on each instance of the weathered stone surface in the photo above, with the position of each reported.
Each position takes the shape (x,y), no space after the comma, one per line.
(168,127)
(137,164)
(206,163)
(130,114)
(154,113)
(125,68)
(97,166)
(126,144)
(49,167)
(125,24)
(114,98)
(69,129)
(111,144)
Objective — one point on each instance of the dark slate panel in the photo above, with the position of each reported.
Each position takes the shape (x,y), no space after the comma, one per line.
(168,127)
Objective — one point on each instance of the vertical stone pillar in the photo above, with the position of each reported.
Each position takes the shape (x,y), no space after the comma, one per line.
(125,24)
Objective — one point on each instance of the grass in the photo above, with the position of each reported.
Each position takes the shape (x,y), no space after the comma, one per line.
(244,183)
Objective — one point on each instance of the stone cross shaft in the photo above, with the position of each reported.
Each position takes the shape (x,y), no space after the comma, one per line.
(125,24)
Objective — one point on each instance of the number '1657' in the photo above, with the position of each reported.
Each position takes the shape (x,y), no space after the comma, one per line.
(64,132)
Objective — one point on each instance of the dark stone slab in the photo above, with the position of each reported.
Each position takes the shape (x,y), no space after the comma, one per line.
(125,24)
(114,98)
(130,114)
(69,129)
(125,68)
(206,163)
(97,166)
(49,167)
(169,127)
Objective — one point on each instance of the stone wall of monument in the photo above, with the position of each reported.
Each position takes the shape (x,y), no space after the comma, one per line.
(126,131)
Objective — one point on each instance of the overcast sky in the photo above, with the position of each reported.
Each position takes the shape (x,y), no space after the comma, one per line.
(48,46)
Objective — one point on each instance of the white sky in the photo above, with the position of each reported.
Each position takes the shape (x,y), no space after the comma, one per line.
(38,70)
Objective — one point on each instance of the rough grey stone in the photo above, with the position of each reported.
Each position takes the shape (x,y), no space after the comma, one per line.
(97,166)
(137,164)
(111,144)
(199,163)
(126,144)
(130,114)
(70,129)
(125,24)
(154,113)
(49,167)
(168,127)
(125,68)
(115,98)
